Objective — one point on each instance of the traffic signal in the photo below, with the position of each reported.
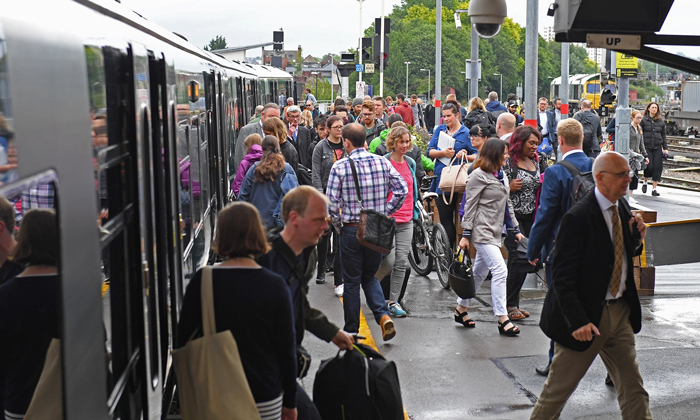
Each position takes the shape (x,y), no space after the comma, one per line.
(378,53)
(366,49)
(607,97)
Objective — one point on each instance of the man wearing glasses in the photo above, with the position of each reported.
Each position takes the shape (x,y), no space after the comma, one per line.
(299,135)
(373,126)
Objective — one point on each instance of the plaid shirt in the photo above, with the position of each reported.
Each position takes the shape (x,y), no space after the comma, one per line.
(376,177)
(38,196)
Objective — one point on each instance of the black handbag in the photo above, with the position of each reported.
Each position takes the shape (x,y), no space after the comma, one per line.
(375,230)
(461,277)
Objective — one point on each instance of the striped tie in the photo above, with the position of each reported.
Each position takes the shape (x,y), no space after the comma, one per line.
(619,252)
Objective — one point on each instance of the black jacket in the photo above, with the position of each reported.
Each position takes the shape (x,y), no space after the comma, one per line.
(290,153)
(375,131)
(479,116)
(582,268)
(654,133)
(303,146)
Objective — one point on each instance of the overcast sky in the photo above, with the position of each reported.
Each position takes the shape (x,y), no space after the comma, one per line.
(322,26)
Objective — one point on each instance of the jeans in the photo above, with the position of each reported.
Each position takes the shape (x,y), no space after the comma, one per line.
(359,265)
(397,260)
(489,257)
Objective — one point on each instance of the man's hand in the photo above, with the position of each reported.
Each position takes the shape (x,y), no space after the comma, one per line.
(586,332)
(289,413)
(641,226)
(516,185)
(343,340)
(534,262)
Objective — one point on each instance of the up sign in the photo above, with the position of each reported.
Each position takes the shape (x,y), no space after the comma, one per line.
(614,41)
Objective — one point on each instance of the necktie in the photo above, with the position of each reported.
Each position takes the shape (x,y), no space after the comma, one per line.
(619,252)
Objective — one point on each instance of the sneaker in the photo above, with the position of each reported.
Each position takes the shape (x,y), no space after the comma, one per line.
(655,193)
(321,279)
(339,290)
(396,310)
(644,188)
(633,201)
(388,330)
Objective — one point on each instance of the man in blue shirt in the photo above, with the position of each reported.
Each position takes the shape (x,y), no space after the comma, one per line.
(554,201)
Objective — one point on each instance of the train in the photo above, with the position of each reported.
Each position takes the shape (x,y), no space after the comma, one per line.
(583,86)
(135,129)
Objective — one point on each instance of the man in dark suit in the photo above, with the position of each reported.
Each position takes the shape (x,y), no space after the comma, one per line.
(300,136)
(592,307)
(554,201)
(545,119)
(269,110)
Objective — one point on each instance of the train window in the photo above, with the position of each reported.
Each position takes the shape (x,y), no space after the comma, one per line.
(185,164)
(593,88)
(30,302)
(204,163)
(195,175)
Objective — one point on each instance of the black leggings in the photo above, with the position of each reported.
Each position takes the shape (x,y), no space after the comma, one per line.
(447,215)
(516,279)
(656,164)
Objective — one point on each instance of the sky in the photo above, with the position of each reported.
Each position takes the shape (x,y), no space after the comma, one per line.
(323,26)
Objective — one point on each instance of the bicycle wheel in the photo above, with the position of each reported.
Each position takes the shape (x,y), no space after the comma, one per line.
(443,254)
(419,257)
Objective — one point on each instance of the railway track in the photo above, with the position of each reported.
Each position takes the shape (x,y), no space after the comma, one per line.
(685,184)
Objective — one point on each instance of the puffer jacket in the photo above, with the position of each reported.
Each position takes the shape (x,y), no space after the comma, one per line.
(654,133)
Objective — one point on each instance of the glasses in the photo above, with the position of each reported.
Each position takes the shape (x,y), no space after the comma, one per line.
(337,127)
(621,175)
(367,115)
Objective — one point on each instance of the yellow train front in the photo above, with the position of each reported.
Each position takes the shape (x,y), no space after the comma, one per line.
(584,86)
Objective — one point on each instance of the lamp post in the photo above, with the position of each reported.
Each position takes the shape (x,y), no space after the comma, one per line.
(406,63)
(428,70)
(500,97)
(360,41)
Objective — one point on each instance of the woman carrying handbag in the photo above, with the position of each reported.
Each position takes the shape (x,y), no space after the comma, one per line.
(486,210)
(253,305)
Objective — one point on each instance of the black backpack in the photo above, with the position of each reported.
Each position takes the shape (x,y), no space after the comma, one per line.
(582,184)
(590,140)
(358,385)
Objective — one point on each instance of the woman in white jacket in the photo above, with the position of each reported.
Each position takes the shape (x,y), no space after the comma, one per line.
(486,211)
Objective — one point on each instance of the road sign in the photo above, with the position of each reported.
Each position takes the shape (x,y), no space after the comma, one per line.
(369,68)
(625,65)
(359,89)
(614,41)
(359,68)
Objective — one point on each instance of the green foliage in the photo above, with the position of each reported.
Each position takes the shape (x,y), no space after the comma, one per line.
(646,89)
(412,38)
(322,91)
(216,43)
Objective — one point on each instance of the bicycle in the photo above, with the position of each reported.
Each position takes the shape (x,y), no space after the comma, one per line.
(430,244)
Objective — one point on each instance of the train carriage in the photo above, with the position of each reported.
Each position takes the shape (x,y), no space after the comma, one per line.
(582,86)
(134,129)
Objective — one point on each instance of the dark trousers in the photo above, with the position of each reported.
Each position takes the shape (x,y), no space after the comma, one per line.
(656,164)
(323,249)
(360,264)
(447,215)
(306,409)
(515,280)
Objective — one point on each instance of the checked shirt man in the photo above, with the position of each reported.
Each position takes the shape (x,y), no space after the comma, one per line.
(377,177)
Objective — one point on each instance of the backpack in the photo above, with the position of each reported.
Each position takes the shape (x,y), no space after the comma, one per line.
(590,140)
(359,385)
(582,185)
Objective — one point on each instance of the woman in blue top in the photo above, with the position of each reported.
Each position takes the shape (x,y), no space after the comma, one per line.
(464,150)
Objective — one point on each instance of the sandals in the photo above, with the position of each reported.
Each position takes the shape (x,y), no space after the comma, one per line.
(461,318)
(510,332)
(524,312)
(515,314)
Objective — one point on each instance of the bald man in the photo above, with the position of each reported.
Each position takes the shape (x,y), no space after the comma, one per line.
(592,307)
(505,125)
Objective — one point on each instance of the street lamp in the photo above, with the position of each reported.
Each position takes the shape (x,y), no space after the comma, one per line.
(500,97)
(428,70)
(407,63)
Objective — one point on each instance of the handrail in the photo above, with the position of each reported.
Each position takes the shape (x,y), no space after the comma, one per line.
(120,386)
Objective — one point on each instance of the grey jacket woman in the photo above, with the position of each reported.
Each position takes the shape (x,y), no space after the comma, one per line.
(485,207)
(322,162)
(637,141)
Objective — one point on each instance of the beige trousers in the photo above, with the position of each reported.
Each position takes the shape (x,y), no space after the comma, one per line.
(616,348)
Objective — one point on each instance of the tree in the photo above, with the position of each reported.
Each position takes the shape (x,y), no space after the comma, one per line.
(216,43)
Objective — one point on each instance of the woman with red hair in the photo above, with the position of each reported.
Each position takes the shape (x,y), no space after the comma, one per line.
(524,168)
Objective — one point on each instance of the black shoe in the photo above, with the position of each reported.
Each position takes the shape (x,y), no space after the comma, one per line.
(542,371)
(655,193)
(608,381)
(644,188)
(321,280)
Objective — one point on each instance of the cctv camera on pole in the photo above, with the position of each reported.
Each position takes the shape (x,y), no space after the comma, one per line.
(487,16)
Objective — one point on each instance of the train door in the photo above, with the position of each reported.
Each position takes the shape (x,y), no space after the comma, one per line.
(129,242)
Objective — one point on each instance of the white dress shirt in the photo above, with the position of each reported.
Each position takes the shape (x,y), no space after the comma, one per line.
(543,123)
(606,207)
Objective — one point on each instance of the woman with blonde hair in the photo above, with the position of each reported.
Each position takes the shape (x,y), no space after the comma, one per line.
(254,304)
(307,119)
(478,114)
(398,143)
(274,126)
(636,146)
(267,181)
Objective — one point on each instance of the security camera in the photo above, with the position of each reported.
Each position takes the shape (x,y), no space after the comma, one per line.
(458,21)
(487,16)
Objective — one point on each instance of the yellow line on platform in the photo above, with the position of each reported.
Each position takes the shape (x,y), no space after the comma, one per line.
(369,340)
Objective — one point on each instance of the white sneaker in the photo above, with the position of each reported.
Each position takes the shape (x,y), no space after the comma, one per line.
(633,201)
(339,290)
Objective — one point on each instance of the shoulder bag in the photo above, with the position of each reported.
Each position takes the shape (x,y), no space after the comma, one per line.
(47,402)
(210,376)
(454,178)
(375,230)
(461,277)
